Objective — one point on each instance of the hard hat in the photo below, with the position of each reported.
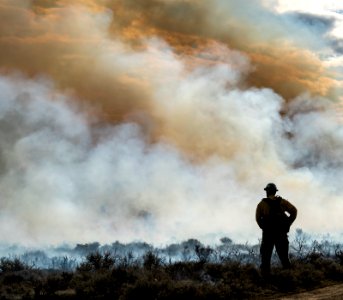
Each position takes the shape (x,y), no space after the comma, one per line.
(271,187)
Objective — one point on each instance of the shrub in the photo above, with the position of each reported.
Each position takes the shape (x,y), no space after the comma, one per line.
(11,265)
(203,253)
(151,260)
(96,261)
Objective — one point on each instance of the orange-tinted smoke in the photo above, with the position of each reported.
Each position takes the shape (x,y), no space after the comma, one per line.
(50,37)
(64,42)
(90,48)
(279,63)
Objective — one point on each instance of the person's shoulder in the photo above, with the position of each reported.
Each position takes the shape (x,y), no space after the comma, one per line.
(281,199)
(284,201)
(262,202)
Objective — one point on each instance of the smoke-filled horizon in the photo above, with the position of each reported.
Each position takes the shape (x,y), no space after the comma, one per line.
(164,121)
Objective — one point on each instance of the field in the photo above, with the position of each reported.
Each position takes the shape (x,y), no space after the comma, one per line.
(189,270)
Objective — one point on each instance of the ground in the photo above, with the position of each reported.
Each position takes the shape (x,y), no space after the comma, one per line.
(333,292)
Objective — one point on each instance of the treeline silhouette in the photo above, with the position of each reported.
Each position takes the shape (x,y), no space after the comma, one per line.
(187,270)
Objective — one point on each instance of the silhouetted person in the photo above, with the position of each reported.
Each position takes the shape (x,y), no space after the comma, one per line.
(274,215)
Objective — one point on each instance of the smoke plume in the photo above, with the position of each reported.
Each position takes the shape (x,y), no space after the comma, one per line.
(163,120)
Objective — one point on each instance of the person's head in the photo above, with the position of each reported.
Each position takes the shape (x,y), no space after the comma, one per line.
(271,189)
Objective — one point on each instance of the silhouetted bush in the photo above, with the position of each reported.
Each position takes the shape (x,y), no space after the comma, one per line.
(151,260)
(203,253)
(11,265)
(97,261)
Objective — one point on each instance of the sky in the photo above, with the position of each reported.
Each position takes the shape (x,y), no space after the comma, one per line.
(160,121)
(320,7)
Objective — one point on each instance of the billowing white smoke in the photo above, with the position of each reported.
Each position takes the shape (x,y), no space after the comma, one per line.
(61,180)
(56,185)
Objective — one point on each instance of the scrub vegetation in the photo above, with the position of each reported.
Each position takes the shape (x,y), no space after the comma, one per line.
(189,270)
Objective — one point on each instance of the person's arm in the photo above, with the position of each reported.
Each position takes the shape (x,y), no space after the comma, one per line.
(291,209)
(258,216)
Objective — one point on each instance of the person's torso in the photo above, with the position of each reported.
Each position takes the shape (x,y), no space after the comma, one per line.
(274,217)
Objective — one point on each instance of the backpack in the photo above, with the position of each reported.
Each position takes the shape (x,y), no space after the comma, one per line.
(277,220)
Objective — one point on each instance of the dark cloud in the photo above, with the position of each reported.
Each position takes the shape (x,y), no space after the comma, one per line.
(337,45)
(319,24)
